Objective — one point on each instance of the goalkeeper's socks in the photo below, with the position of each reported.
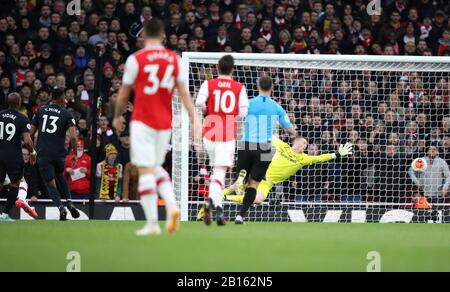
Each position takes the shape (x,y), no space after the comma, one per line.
(54,195)
(64,187)
(11,199)
(249,198)
(165,188)
(149,197)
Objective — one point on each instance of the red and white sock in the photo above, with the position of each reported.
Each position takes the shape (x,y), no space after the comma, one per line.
(165,187)
(149,197)
(216,183)
(23,191)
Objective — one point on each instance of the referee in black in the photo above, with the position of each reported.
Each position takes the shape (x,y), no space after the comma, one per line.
(255,149)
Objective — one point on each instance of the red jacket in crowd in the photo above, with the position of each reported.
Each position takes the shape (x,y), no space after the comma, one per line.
(81,185)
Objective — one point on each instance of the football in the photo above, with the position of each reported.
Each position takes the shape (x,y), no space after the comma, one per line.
(419,165)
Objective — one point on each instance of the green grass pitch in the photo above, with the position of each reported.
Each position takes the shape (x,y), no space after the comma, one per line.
(112,246)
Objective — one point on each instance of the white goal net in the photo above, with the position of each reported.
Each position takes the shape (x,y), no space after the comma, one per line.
(393,109)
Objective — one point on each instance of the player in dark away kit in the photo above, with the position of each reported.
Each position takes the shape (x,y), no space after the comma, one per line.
(52,122)
(13,127)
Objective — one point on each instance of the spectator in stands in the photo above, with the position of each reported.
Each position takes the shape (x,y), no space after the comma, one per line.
(444,43)
(435,181)
(78,176)
(445,148)
(124,148)
(352,175)
(102,35)
(5,90)
(109,175)
(313,179)
(106,135)
(130,183)
(390,175)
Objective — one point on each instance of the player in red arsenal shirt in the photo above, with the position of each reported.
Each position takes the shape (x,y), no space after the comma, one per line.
(223,100)
(153,73)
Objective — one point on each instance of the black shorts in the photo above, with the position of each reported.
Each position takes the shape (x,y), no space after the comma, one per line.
(254,158)
(49,167)
(11,167)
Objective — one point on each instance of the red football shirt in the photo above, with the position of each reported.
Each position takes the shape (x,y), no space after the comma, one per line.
(154,73)
(223,99)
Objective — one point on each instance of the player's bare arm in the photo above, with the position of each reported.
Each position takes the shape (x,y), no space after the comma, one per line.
(28,143)
(33,132)
(291,131)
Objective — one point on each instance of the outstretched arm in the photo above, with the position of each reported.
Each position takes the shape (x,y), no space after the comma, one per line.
(320,158)
(343,151)
(28,143)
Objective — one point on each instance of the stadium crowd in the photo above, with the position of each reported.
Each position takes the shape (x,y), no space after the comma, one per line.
(389,117)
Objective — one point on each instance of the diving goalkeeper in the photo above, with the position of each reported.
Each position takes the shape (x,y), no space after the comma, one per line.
(285,163)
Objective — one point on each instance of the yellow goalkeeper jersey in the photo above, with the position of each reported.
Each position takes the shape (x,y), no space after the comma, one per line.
(286,162)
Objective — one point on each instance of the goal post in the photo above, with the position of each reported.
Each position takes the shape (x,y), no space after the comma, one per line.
(392,108)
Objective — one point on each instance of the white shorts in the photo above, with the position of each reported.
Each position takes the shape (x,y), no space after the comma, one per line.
(220,153)
(148,147)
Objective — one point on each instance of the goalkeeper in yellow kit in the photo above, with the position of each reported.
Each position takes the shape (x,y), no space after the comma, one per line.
(286,162)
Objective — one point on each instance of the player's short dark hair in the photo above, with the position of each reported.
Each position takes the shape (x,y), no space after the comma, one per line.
(226,65)
(57,94)
(154,28)
(14,100)
(265,83)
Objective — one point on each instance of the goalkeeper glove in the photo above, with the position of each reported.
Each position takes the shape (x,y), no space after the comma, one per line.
(344,150)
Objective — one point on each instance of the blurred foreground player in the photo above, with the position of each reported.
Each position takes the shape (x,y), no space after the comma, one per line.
(222,100)
(153,73)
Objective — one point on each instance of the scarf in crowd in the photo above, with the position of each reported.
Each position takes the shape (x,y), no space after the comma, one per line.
(107,172)
(400,5)
(202,44)
(221,42)
(109,132)
(238,22)
(306,30)
(425,31)
(298,46)
(282,47)
(280,22)
(366,42)
(267,35)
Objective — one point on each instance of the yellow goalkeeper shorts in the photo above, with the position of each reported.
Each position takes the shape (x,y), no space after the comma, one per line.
(264,188)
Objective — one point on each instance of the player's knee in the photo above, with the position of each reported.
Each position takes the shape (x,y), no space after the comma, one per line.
(259,199)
